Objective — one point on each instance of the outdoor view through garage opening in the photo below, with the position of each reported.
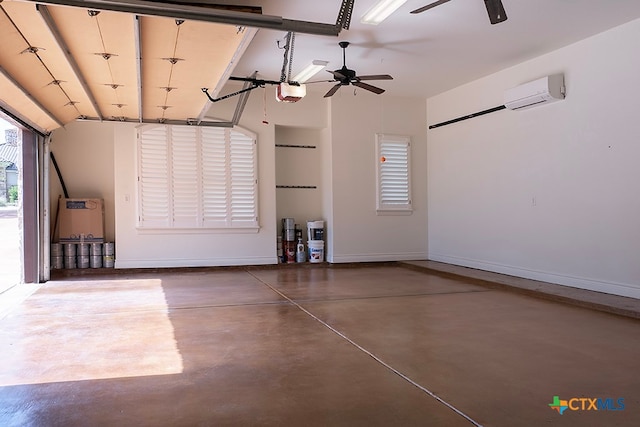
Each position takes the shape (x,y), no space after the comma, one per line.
(10,160)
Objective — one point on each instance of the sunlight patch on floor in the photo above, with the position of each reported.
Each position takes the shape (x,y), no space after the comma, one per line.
(75,331)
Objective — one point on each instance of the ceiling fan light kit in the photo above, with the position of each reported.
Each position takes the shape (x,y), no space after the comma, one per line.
(310,70)
(381,11)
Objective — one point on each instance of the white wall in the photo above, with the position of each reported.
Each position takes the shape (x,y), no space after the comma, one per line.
(137,249)
(549,193)
(98,160)
(356,232)
(84,153)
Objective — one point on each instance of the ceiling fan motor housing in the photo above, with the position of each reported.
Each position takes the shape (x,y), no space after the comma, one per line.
(348,75)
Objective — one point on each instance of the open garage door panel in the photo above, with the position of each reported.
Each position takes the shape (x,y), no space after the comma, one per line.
(62,63)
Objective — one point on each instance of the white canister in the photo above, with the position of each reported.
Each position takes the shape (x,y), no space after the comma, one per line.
(316,250)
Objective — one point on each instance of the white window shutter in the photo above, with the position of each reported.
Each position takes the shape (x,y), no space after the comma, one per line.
(242,162)
(214,177)
(184,176)
(153,180)
(393,173)
(197,177)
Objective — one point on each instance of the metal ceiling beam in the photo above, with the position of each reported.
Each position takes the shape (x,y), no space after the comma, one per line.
(17,118)
(138,46)
(31,97)
(242,101)
(344,15)
(199,13)
(163,122)
(53,28)
(249,34)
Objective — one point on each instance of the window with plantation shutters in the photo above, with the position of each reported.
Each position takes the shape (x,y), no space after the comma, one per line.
(193,177)
(393,174)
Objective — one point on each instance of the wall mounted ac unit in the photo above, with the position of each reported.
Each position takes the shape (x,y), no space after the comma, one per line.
(538,92)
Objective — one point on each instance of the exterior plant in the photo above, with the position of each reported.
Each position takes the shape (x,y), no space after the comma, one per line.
(13,194)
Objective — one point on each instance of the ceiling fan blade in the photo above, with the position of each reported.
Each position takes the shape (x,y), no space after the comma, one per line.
(320,81)
(429,6)
(375,77)
(337,75)
(368,87)
(496,11)
(333,90)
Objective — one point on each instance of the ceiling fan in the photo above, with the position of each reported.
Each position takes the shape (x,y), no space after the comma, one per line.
(344,76)
(495,9)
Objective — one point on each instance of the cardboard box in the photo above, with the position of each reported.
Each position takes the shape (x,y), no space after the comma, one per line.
(81,220)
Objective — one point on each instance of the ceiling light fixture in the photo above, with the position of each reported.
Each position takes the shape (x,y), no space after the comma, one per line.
(310,70)
(381,11)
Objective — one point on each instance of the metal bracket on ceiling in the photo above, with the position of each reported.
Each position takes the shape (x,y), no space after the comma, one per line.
(344,15)
(242,101)
(238,92)
(32,49)
(106,56)
(154,121)
(173,61)
(201,13)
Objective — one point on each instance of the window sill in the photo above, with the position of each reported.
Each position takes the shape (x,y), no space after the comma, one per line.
(177,231)
(391,212)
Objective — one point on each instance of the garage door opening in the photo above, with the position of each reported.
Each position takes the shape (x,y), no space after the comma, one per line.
(10,206)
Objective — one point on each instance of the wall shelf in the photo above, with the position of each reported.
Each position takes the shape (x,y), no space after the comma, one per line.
(295,146)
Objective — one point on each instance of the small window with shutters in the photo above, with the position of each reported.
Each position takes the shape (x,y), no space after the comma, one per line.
(393,173)
(193,177)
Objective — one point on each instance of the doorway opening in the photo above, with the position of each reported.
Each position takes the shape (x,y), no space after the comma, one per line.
(11,261)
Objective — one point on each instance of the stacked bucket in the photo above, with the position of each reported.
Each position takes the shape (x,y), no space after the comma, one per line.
(315,240)
(82,255)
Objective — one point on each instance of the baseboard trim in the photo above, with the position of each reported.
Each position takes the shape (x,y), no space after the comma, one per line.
(407,256)
(621,289)
(176,263)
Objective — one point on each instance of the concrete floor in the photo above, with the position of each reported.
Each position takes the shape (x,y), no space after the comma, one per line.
(370,346)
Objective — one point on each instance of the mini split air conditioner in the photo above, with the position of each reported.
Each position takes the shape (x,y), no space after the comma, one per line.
(538,92)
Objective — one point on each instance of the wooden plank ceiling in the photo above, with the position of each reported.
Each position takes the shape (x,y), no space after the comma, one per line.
(60,63)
